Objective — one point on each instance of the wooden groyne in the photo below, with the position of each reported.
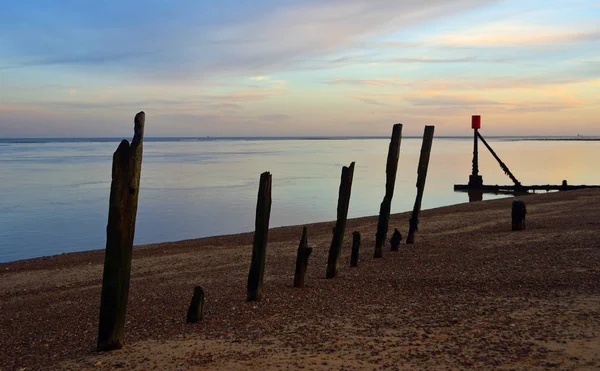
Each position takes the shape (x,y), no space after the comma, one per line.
(511,189)
(121,227)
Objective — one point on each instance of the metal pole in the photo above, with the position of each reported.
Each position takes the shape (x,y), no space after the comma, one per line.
(475,154)
(518,186)
(475,180)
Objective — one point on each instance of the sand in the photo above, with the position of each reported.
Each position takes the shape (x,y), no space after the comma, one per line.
(470,293)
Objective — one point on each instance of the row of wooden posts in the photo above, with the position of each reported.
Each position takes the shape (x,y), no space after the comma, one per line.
(126,172)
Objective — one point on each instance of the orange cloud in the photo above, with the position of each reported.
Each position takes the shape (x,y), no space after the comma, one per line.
(376,81)
(514,33)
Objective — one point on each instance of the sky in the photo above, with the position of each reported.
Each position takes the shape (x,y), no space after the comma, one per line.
(73,68)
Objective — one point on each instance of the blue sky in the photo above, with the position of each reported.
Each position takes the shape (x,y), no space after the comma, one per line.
(237,68)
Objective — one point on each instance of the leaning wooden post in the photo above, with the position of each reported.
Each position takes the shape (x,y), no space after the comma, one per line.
(421,176)
(124,190)
(259,245)
(355,249)
(194,313)
(390,180)
(302,260)
(333,263)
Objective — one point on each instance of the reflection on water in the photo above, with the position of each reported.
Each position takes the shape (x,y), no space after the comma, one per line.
(54,196)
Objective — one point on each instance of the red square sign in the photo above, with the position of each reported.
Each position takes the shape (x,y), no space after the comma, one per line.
(476,122)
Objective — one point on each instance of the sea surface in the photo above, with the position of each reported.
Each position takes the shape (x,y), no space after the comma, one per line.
(54,192)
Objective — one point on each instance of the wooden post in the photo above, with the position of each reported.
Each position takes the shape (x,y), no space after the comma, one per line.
(355,248)
(120,230)
(421,176)
(333,263)
(390,180)
(302,260)
(259,245)
(395,240)
(518,215)
(194,313)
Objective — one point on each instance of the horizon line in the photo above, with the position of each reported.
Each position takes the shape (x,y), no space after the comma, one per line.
(297,136)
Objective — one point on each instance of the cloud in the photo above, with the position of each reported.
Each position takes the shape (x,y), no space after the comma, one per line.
(532,78)
(226,68)
(506,34)
(233,100)
(434,60)
(439,105)
(161,40)
(368,100)
(15,121)
(441,60)
(76,59)
(226,106)
(249,95)
(453,103)
(424,99)
(445,100)
(31,121)
(375,81)
(274,117)
(545,106)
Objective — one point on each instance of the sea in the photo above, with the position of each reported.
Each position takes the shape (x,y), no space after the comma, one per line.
(54,192)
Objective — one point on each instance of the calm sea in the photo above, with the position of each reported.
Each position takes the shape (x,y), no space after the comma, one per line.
(54,193)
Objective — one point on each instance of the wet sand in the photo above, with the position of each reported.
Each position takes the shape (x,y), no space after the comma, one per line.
(470,293)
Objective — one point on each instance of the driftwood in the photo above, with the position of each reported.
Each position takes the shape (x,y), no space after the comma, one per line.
(421,176)
(333,262)
(302,260)
(194,313)
(259,244)
(390,180)
(120,230)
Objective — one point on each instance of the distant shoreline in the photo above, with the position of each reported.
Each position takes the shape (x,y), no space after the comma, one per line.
(560,139)
(315,138)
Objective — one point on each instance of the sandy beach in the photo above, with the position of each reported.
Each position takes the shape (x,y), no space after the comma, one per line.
(470,293)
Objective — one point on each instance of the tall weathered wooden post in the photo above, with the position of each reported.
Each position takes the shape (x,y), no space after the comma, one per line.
(390,180)
(421,176)
(333,263)
(261,233)
(302,260)
(120,230)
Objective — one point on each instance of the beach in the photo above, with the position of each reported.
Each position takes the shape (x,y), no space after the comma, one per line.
(470,293)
